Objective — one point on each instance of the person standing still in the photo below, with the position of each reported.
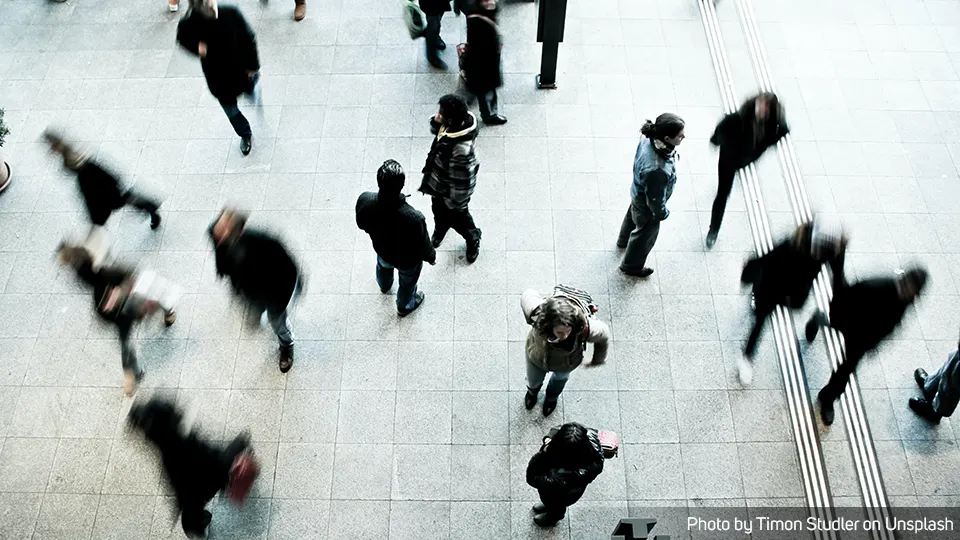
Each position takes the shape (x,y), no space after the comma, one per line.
(561,471)
(227,48)
(654,175)
(434,10)
(399,234)
(482,64)
(941,391)
(450,173)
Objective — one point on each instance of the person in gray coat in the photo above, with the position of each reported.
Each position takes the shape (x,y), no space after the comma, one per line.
(941,391)
(558,337)
(654,175)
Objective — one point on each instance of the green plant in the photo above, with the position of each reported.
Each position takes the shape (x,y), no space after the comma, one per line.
(4,130)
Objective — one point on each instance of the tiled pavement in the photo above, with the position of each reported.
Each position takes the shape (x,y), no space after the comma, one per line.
(414,428)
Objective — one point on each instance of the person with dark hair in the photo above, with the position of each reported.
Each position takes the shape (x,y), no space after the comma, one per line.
(482,68)
(785,275)
(399,234)
(561,471)
(865,313)
(743,136)
(227,48)
(261,271)
(450,173)
(101,189)
(434,10)
(557,341)
(654,175)
(941,391)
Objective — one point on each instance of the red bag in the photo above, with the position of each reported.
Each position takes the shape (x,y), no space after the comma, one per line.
(243,472)
(610,442)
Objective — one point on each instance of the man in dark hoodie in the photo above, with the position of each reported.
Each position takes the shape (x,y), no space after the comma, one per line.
(399,235)
(865,313)
(743,136)
(227,48)
(261,271)
(450,173)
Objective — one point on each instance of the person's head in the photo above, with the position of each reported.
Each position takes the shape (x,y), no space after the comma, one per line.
(911,282)
(228,225)
(765,105)
(73,256)
(158,419)
(72,158)
(558,319)
(668,128)
(390,178)
(572,445)
(453,110)
(207,8)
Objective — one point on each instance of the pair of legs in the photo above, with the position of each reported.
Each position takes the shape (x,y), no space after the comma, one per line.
(458,219)
(407,297)
(552,509)
(145,205)
(239,122)
(195,518)
(638,234)
(535,377)
(854,351)
(940,395)
(487,101)
(132,372)
(280,322)
(434,43)
(726,172)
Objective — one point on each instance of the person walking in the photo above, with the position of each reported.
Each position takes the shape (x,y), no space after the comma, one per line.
(261,271)
(865,313)
(743,136)
(654,175)
(434,10)
(561,471)
(399,234)
(561,327)
(482,66)
(941,391)
(785,275)
(450,173)
(227,48)
(101,190)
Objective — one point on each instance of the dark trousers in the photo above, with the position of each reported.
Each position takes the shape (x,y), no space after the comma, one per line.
(195,518)
(458,219)
(638,234)
(432,36)
(487,102)
(556,506)
(407,290)
(838,381)
(141,203)
(726,171)
(761,313)
(239,122)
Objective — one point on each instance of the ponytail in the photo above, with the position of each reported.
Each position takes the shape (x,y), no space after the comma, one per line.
(667,125)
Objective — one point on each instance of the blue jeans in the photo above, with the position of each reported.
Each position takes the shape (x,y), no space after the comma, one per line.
(407,289)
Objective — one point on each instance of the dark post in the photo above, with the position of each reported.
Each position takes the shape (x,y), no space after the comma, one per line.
(551,15)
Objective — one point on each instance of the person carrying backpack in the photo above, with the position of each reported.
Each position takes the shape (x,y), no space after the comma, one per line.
(561,327)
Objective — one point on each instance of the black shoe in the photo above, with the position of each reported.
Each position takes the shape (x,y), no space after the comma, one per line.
(441,45)
(923,409)
(246,144)
(437,238)
(545,520)
(712,238)
(154,221)
(642,273)
(826,409)
(417,300)
(813,326)
(621,245)
(920,375)
(539,508)
(495,120)
(529,399)
(286,359)
(549,405)
(473,249)
(437,62)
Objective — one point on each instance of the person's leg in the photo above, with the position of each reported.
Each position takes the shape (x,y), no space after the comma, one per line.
(237,120)
(760,318)
(932,383)
(640,243)
(838,382)
(281,326)
(485,112)
(441,220)
(462,221)
(558,379)
(407,288)
(432,40)
(384,275)
(626,227)
(132,373)
(144,204)
(535,377)
(299,10)
(726,172)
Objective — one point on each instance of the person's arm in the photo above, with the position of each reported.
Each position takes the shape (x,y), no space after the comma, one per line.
(463,174)
(247,45)
(429,252)
(721,134)
(435,124)
(600,337)
(187,35)
(591,471)
(655,191)
(540,475)
(530,301)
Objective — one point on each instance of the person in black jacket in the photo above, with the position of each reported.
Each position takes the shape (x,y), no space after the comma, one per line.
(784,276)
(481,62)
(434,10)
(562,470)
(261,271)
(941,391)
(101,190)
(743,136)
(399,234)
(227,49)
(865,313)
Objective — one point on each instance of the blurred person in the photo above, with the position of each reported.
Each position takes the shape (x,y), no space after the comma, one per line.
(785,275)
(482,66)
(941,391)
(261,271)
(561,471)
(227,48)
(654,176)
(743,136)
(561,327)
(865,313)
(102,192)
(450,173)
(123,297)
(196,469)
(434,10)
(399,234)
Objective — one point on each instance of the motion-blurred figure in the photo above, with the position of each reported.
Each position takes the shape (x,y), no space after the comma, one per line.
(399,234)
(941,391)
(101,190)
(654,175)
(481,61)
(434,10)
(743,136)
(561,471)
(865,313)
(261,271)
(227,48)
(784,276)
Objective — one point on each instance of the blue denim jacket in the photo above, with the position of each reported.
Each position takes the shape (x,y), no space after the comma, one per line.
(653,179)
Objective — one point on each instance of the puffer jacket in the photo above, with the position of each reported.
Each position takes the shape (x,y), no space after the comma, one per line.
(568,355)
(557,483)
(450,171)
(654,176)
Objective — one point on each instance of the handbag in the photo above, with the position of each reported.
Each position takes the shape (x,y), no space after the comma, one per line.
(415,19)
(243,472)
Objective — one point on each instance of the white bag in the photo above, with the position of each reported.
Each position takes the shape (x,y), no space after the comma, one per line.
(415,19)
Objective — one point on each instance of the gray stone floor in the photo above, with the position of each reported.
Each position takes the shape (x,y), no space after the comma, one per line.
(415,428)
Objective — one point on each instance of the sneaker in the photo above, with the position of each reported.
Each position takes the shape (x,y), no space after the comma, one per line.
(418,299)
(170,318)
(745,370)
(246,144)
(712,238)
(286,359)
(299,12)
(920,375)
(642,273)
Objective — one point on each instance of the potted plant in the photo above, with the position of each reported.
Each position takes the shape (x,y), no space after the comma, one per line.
(5,173)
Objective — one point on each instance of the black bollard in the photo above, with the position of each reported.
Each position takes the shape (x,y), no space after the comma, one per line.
(551,15)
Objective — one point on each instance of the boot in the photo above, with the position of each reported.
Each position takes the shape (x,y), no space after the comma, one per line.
(549,405)
(473,248)
(920,375)
(530,398)
(286,359)
(300,11)
(924,409)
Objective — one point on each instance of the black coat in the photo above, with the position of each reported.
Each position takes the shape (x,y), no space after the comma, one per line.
(866,312)
(736,135)
(102,192)
(481,63)
(562,485)
(259,268)
(231,50)
(398,231)
(434,7)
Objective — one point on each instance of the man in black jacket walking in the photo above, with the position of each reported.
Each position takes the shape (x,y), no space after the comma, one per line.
(865,313)
(261,271)
(227,49)
(399,235)
(434,10)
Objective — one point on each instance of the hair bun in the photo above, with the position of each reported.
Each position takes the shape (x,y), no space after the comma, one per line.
(648,128)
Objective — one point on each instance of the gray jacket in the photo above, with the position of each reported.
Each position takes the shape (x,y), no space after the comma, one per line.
(550,357)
